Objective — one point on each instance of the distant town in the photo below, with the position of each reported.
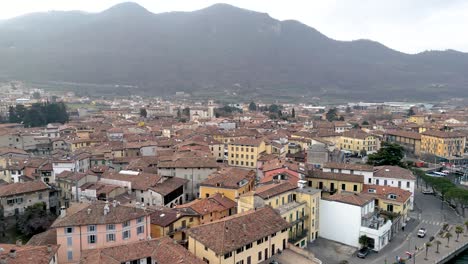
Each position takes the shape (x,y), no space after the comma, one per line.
(179,180)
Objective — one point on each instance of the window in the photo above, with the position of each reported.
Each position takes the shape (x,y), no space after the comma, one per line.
(377,181)
(227,255)
(407,184)
(259,255)
(390,207)
(392,196)
(239,250)
(110,227)
(140,230)
(40,196)
(91,239)
(343,187)
(68,230)
(126,234)
(399,184)
(273,235)
(259,241)
(70,255)
(191,219)
(140,220)
(91,228)
(69,241)
(370,180)
(248,246)
(240,262)
(126,224)
(385,182)
(371,190)
(110,237)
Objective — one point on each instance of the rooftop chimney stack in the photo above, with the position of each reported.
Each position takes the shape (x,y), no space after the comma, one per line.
(63,212)
(49,248)
(12,253)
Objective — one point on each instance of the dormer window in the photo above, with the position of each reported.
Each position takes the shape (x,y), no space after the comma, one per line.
(371,190)
(392,196)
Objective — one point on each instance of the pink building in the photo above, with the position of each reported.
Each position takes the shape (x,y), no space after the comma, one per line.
(98,225)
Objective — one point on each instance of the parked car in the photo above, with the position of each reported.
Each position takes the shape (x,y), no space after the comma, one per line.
(422,232)
(363,252)
(427,191)
(274,262)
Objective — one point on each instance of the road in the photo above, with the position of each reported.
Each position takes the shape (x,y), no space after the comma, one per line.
(428,213)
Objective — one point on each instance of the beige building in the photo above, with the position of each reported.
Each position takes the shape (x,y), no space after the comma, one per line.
(16,197)
(250,237)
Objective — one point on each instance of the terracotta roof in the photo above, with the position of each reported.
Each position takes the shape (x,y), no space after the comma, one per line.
(5,150)
(273,189)
(358,199)
(382,192)
(231,233)
(282,163)
(71,175)
(140,181)
(22,187)
(255,142)
(394,172)
(442,134)
(95,216)
(348,166)
(359,134)
(169,185)
(163,216)
(229,177)
(215,203)
(202,162)
(28,254)
(318,174)
(162,251)
(404,133)
(48,237)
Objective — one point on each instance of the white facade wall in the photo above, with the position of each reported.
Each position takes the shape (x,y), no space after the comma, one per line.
(148,151)
(404,184)
(59,167)
(340,222)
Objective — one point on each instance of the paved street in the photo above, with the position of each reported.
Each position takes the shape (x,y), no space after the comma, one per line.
(428,213)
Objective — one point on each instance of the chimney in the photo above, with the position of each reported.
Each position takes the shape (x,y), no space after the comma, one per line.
(49,248)
(12,253)
(19,243)
(3,260)
(114,203)
(106,209)
(63,212)
(88,210)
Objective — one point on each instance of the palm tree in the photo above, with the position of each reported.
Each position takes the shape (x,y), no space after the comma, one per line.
(458,231)
(466,226)
(437,242)
(428,245)
(448,236)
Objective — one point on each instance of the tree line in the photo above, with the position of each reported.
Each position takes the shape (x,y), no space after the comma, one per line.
(38,114)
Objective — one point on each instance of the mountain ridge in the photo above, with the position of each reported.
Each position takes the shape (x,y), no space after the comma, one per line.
(215,48)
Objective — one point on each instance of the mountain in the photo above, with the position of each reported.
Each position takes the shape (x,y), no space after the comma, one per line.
(216,50)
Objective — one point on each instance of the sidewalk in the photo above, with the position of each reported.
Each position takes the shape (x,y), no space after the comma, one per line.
(444,251)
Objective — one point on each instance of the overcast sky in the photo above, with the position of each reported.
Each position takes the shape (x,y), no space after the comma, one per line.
(407,25)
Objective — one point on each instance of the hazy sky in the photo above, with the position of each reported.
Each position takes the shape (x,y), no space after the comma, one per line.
(406,25)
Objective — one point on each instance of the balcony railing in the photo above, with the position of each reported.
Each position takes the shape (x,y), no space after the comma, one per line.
(298,236)
(300,219)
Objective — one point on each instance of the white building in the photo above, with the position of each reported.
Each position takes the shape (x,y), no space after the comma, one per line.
(345,217)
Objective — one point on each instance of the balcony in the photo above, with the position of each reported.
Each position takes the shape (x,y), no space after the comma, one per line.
(300,219)
(294,238)
(175,230)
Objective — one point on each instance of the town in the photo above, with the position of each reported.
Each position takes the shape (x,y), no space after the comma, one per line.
(179,180)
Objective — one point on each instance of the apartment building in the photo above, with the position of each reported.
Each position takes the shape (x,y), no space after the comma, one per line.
(358,141)
(442,143)
(250,237)
(229,181)
(333,182)
(16,197)
(297,204)
(98,225)
(211,208)
(173,222)
(245,152)
(410,141)
(44,254)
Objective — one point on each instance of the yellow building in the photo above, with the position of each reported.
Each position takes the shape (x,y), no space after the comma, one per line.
(173,222)
(357,141)
(230,181)
(442,143)
(331,182)
(298,206)
(211,208)
(410,141)
(245,152)
(390,199)
(418,119)
(81,143)
(250,237)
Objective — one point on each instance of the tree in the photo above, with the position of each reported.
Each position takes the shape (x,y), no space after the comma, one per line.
(388,154)
(186,112)
(293,113)
(363,241)
(274,108)
(458,231)
(448,235)
(252,107)
(437,242)
(428,245)
(411,112)
(143,113)
(179,113)
(341,118)
(34,220)
(365,123)
(331,115)
(348,109)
